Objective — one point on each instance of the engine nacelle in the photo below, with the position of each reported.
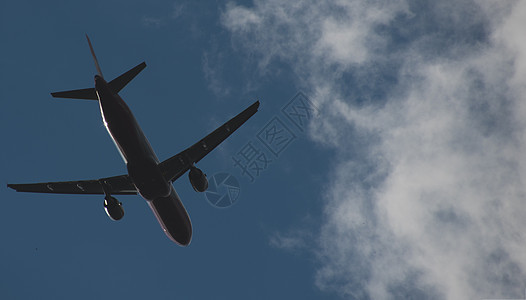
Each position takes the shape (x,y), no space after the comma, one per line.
(113,208)
(198,179)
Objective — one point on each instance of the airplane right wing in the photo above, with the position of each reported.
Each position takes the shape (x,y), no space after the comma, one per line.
(177,165)
(116,185)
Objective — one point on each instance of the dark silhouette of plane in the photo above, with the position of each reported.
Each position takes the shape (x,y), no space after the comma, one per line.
(147,176)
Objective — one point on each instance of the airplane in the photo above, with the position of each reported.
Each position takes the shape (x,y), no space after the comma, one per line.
(147,176)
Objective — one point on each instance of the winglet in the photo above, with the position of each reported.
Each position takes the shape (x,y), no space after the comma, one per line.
(94,57)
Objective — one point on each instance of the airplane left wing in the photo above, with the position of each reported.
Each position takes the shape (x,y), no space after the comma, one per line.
(116,185)
(177,165)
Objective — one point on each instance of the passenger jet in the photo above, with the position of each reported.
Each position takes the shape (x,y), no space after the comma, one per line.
(147,176)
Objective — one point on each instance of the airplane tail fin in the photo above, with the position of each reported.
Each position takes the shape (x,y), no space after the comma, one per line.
(116,85)
(94,57)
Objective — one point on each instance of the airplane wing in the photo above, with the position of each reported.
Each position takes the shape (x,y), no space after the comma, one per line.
(177,165)
(116,185)
(171,168)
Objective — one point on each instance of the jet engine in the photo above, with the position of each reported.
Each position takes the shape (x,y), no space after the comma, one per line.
(198,179)
(113,208)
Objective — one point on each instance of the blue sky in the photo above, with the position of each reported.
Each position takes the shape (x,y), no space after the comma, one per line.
(63,246)
(408,183)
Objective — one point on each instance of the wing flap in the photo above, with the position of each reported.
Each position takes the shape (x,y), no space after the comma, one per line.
(177,165)
(117,185)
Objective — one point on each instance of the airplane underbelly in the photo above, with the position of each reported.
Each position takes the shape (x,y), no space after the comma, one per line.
(148,179)
(124,129)
(173,218)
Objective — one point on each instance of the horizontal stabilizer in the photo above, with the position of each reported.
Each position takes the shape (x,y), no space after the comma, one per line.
(115,85)
(88,94)
(118,83)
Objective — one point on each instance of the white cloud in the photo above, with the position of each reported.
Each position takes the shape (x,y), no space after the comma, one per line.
(152,22)
(211,66)
(241,18)
(177,12)
(433,204)
(342,43)
(288,241)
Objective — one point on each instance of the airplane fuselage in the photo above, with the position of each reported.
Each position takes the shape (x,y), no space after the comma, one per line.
(143,164)
(147,176)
